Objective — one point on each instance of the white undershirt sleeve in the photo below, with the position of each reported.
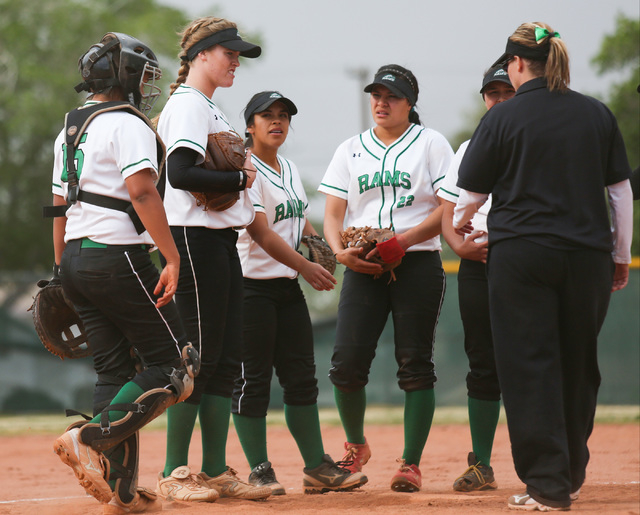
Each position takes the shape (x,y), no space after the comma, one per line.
(621,204)
(467,206)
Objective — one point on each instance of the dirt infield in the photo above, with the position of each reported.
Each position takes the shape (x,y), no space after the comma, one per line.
(34,481)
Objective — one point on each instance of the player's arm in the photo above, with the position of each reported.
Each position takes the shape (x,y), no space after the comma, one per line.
(148,205)
(466,248)
(59,230)
(621,205)
(468,204)
(334,213)
(280,250)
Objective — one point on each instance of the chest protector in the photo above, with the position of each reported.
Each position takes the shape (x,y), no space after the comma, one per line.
(76,123)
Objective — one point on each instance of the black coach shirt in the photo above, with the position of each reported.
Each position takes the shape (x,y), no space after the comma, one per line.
(546,158)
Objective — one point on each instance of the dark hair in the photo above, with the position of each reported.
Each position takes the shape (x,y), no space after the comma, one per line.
(248,142)
(408,75)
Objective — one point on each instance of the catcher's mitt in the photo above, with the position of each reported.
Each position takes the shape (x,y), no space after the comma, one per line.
(225,152)
(367,238)
(320,252)
(57,323)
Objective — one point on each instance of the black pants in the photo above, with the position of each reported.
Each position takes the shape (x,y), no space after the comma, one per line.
(112,291)
(414,300)
(209,299)
(277,335)
(547,308)
(473,298)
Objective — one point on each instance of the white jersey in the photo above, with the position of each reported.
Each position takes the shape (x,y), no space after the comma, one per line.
(450,191)
(281,197)
(186,121)
(115,146)
(392,186)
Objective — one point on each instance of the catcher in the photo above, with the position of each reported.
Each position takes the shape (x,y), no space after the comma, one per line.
(122,301)
(277,328)
(387,177)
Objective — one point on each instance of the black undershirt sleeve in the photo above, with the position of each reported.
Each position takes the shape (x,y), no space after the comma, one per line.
(183,174)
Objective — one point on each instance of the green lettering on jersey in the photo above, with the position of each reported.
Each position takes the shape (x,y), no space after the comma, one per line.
(362,182)
(289,210)
(279,213)
(406,180)
(391,179)
(79,158)
(376,182)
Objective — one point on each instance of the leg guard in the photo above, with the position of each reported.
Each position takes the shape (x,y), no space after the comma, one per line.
(144,409)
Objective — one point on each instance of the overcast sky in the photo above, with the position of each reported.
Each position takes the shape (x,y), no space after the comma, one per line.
(311,49)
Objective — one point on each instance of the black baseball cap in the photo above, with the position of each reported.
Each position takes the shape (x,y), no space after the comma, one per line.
(495,74)
(228,38)
(396,82)
(261,102)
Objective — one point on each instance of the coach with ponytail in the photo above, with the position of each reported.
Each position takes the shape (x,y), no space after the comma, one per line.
(547,156)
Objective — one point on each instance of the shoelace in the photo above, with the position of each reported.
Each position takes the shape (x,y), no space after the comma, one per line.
(403,466)
(476,471)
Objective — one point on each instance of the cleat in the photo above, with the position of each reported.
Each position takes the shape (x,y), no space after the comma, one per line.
(228,484)
(407,479)
(527,503)
(144,501)
(357,455)
(182,485)
(90,466)
(264,475)
(331,477)
(477,477)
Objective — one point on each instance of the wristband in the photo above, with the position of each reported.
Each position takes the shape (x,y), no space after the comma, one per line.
(390,251)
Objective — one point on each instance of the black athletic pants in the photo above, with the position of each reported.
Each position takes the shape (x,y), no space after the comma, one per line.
(547,308)
(277,335)
(209,299)
(414,300)
(473,298)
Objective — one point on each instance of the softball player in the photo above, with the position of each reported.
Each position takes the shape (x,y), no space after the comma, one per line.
(277,328)
(106,271)
(388,177)
(546,157)
(209,295)
(473,296)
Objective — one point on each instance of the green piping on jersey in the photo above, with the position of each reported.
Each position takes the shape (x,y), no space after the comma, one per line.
(333,187)
(175,145)
(395,164)
(393,145)
(365,147)
(297,199)
(141,161)
(450,193)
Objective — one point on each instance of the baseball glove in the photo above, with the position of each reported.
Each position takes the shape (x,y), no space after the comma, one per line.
(225,152)
(367,238)
(57,323)
(320,252)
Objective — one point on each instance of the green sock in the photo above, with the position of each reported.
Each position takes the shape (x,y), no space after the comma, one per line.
(180,421)
(351,406)
(127,394)
(483,420)
(252,433)
(418,415)
(215,414)
(304,424)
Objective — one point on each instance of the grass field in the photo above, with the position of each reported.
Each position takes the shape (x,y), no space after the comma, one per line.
(56,423)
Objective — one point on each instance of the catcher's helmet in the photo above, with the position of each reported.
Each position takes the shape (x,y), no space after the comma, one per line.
(123,61)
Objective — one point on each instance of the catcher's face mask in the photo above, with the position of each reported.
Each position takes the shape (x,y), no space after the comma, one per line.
(149,91)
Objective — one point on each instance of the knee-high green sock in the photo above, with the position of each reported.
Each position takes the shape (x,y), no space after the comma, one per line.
(418,415)
(180,421)
(304,424)
(252,433)
(351,407)
(215,413)
(127,394)
(483,420)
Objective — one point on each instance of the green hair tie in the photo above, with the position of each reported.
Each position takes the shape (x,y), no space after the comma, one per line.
(542,33)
